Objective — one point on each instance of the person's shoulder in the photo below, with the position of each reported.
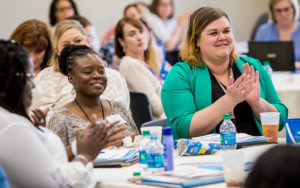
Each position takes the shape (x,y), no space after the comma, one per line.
(128,63)
(298,27)
(181,70)
(182,67)
(112,72)
(10,121)
(46,71)
(48,74)
(267,26)
(250,60)
(116,106)
(115,77)
(265,30)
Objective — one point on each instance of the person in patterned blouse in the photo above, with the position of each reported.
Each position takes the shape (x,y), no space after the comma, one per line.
(86,72)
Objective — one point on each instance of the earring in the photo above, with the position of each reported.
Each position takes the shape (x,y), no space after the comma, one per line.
(73,92)
(124,50)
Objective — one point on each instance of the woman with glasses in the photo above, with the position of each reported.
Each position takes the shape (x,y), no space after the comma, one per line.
(63,9)
(284,25)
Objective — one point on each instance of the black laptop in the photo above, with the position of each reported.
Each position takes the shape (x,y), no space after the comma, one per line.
(279,54)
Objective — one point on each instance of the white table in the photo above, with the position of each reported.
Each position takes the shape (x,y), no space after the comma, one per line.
(117,177)
(287,86)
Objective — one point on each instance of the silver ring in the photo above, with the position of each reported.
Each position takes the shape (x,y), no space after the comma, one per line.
(42,121)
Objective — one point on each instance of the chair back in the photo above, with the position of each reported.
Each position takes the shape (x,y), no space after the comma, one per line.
(140,108)
(159,122)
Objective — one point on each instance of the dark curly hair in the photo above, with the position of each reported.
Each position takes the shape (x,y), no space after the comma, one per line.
(52,11)
(66,60)
(277,167)
(14,60)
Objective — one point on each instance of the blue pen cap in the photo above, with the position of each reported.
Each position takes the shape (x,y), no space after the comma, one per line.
(167,131)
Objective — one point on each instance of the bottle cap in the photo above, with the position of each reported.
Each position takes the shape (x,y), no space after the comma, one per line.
(145,133)
(267,63)
(226,116)
(167,131)
(136,173)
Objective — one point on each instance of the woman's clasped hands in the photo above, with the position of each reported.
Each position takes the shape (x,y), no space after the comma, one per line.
(97,136)
(246,87)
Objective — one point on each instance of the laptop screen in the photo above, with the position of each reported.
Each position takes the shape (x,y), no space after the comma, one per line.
(279,54)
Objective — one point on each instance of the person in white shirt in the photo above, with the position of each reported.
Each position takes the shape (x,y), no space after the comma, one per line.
(33,156)
(131,45)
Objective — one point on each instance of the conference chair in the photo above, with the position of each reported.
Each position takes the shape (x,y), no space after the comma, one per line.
(159,122)
(140,108)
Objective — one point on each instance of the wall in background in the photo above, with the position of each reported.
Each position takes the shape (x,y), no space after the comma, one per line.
(105,13)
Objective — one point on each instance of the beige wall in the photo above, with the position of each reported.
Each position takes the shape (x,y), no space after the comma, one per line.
(105,13)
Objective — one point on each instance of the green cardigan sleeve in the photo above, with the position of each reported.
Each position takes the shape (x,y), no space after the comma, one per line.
(178,99)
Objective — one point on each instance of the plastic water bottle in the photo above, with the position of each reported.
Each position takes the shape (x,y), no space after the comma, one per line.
(155,155)
(268,67)
(143,151)
(227,133)
(168,148)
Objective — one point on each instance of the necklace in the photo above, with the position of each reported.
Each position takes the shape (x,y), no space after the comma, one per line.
(225,90)
(103,116)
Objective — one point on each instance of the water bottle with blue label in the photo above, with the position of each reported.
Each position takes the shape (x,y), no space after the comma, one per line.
(143,151)
(227,133)
(155,155)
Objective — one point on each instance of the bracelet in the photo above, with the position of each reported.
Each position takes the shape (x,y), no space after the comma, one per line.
(83,158)
(74,147)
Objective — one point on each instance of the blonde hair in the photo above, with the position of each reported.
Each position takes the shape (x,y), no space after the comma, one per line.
(197,23)
(295,6)
(60,29)
(152,57)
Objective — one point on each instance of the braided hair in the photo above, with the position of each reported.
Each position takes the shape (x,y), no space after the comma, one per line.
(13,65)
(67,57)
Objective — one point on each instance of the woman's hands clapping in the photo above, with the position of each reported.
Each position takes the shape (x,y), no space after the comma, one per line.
(97,136)
(246,87)
(254,95)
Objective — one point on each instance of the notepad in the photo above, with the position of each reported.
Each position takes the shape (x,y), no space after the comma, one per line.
(185,176)
(116,157)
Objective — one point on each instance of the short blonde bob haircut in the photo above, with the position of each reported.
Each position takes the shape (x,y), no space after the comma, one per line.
(201,18)
(60,29)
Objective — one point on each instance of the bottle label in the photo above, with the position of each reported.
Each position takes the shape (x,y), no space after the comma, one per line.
(143,157)
(228,138)
(155,160)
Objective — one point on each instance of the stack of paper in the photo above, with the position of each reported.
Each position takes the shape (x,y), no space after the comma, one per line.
(116,157)
(242,139)
(187,176)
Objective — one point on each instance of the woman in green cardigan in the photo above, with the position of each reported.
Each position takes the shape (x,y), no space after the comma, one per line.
(214,81)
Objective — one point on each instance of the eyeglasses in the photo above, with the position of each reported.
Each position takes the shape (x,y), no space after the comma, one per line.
(279,11)
(29,76)
(62,9)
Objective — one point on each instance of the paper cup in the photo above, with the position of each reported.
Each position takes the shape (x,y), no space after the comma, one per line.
(270,125)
